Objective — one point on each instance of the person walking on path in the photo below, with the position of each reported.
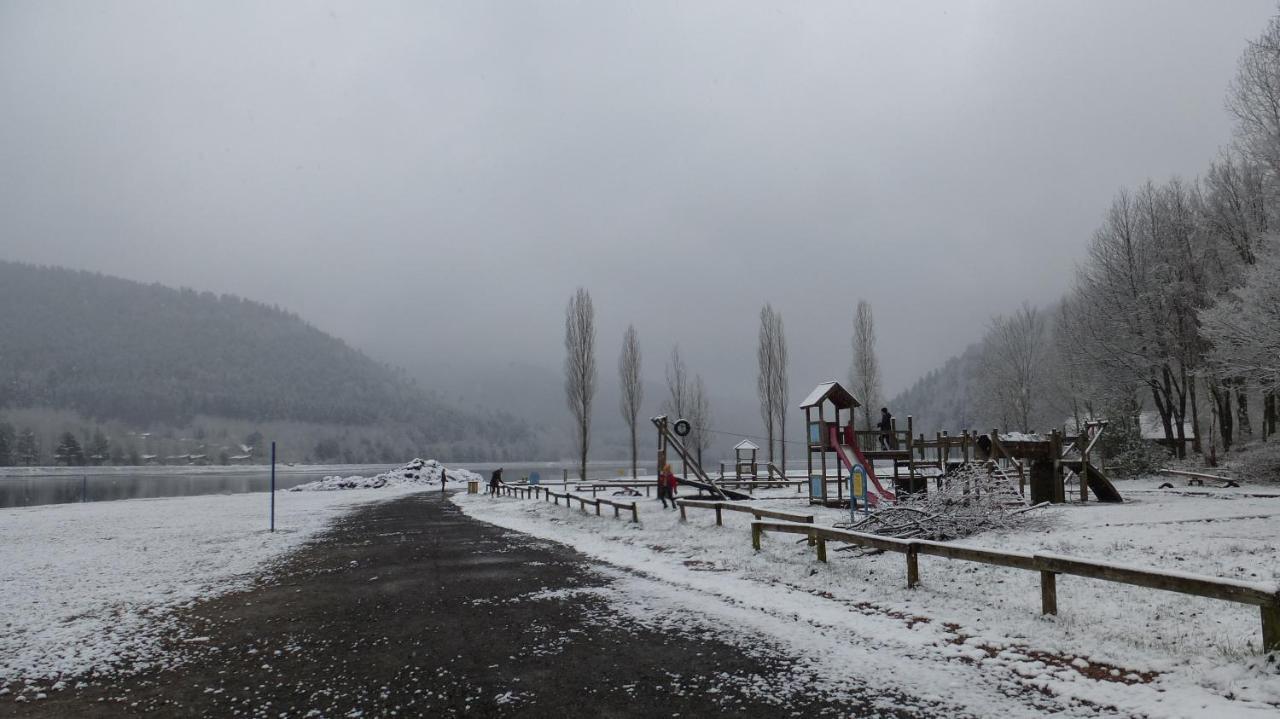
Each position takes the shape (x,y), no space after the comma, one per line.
(443,477)
(887,440)
(667,486)
(495,481)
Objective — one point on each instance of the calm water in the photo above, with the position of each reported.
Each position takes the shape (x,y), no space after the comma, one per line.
(58,485)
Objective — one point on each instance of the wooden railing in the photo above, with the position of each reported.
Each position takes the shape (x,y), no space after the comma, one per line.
(583,502)
(1264,595)
(757,512)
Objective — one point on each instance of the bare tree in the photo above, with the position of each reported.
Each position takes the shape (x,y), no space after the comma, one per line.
(766,361)
(780,393)
(632,387)
(580,367)
(1013,351)
(865,372)
(699,418)
(677,402)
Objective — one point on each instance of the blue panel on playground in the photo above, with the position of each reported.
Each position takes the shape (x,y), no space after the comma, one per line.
(534,478)
(815,433)
(815,486)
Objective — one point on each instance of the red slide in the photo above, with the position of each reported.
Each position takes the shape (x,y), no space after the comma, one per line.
(851,456)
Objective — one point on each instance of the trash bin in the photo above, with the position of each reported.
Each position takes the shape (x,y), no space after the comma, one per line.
(473,487)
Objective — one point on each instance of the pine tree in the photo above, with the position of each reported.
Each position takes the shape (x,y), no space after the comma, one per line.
(27,448)
(69,451)
(7,450)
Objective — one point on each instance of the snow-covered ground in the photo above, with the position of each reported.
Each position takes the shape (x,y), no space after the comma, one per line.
(90,587)
(973,633)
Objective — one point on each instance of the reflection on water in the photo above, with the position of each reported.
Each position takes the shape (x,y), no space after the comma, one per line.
(59,485)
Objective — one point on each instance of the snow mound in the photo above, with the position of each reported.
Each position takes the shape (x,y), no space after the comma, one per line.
(419,471)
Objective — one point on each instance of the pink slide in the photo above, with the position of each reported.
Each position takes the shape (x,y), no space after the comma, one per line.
(851,456)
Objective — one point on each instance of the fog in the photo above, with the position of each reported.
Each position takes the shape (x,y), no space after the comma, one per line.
(431,181)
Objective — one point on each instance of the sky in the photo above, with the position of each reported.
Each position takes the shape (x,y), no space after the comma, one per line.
(432,180)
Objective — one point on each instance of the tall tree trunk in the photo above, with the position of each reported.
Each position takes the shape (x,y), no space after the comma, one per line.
(1190,384)
(1222,400)
(782,442)
(1242,410)
(635,467)
(1165,410)
(1268,414)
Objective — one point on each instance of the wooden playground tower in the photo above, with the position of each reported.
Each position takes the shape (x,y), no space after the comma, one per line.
(823,458)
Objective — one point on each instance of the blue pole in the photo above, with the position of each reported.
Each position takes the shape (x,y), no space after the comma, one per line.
(273,485)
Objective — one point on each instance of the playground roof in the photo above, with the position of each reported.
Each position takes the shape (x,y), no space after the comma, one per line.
(839,396)
(746,444)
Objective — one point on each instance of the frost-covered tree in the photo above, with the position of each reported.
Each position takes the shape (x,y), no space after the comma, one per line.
(632,388)
(1244,324)
(1013,357)
(580,369)
(864,375)
(1137,296)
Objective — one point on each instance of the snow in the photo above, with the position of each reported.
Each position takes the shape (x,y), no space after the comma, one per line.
(419,473)
(92,587)
(971,634)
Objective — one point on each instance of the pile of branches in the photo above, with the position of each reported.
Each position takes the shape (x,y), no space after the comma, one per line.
(972,500)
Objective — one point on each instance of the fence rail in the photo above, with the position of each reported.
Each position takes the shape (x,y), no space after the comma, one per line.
(583,502)
(1266,596)
(757,512)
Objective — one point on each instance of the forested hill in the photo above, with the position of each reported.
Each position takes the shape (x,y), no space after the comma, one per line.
(114,349)
(945,398)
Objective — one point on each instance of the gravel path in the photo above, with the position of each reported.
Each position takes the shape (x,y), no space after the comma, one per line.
(409,608)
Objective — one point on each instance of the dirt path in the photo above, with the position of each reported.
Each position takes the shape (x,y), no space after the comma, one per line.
(410,608)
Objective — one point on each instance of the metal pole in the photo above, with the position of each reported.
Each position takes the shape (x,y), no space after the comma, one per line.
(273,485)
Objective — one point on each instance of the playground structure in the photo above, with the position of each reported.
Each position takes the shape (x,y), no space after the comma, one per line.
(826,437)
(703,483)
(846,466)
(863,457)
(744,460)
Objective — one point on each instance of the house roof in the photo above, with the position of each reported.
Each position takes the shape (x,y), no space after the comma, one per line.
(746,444)
(838,396)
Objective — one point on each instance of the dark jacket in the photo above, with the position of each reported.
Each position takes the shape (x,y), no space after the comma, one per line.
(886,422)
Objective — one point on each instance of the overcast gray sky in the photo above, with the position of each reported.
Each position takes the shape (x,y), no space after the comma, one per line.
(434,179)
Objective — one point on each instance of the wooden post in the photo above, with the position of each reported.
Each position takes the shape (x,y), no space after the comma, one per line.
(719,519)
(635,515)
(597,503)
(755,534)
(615,511)
(1271,628)
(822,547)
(683,518)
(1083,441)
(1048,593)
(913,566)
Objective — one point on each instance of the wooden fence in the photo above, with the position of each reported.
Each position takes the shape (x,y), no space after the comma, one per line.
(534,491)
(583,502)
(757,512)
(1263,595)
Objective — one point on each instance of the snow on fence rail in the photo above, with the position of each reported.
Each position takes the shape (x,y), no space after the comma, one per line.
(757,512)
(1265,595)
